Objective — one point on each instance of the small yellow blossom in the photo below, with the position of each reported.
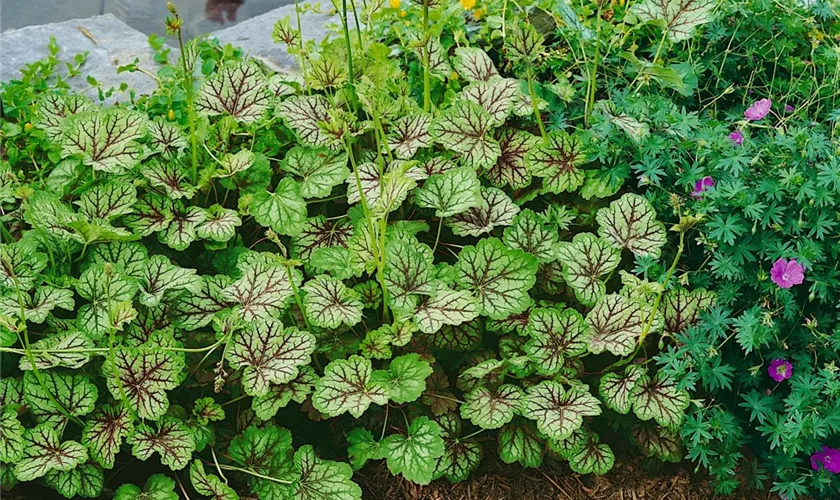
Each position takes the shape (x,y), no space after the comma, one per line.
(28,127)
(478,14)
(171,115)
(468,4)
(395,4)
(402,14)
(453,75)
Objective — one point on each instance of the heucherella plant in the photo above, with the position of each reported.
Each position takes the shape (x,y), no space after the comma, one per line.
(408,247)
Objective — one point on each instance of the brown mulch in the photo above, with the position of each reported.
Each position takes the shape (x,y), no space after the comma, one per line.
(628,480)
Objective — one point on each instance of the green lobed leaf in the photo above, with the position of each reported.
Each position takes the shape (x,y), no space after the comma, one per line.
(62,393)
(408,134)
(557,161)
(105,140)
(157,487)
(467,129)
(445,307)
(265,287)
(347,386)
(405,378)
(585,259)
(474,64)
(529,234)
(558,411)
(616,323)
(660,399)
(630,222)
(452,192)
(143,375)
(555,335)
(491,408)
(510,168)
(499,276)
(496,209)
(415,455)
(318,168)
(680,17)
(11,439)
(236,89)
(86,481)
(461,456)
(593,458)
(209,485)
(284,210)
(105,431)
(323,479)
(172,440)
(43,451)
(329,303)
(519,442)
(617,391)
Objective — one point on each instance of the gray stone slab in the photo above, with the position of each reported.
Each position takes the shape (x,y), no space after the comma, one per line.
(254,35)
(116,44)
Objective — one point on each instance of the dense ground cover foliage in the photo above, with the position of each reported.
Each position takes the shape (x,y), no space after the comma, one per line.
(500,230)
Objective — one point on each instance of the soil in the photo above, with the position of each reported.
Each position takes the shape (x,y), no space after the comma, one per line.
(629,480)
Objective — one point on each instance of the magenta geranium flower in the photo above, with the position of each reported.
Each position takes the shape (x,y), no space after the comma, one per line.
(737,138)
(828,459)
(702,185)
(758,110)
(780,370)
(787,273)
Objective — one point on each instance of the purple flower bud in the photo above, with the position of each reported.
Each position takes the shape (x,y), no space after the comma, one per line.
(780,370)
(789,108)
(737,138)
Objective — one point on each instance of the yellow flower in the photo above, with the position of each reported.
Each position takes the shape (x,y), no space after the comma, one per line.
(28,127)
(171,115)
(453,75)
(468,4)
(402,13)
(395,4)
(478,14)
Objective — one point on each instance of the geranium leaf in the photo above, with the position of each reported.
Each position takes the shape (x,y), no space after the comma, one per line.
(165,138)
(304,115)
(450,193)
(236,89)
(415,455)
(557,161)
(466,128)
(496,209)
(160,276)
(445,307)
(474,64)
(532,236)
(682,308)
(172,440)
(269,354)
(347,387)
(62,393)
(323,479)
(219,224)
(495,97)
(106,140)
(510,167)
(491,408)
(284,210)
(209,485)
(616,323)
(405,378)
(461,457)
(660,399)
(408,134)
(555,335)
(617,390)
(319,169)
(106,201)
(157,487)
(43,451)
(630,222)
(680,17)
(499,276)
(585,259)
(143,375)
(278,396)
(329,303)
(557,411)
(592,458)
(104,432)
(264,288)
(519,442)
(408,272)
(168,176)
(86,481)
(11,439)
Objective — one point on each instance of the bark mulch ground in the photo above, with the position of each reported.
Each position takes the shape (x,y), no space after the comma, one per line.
(628,480)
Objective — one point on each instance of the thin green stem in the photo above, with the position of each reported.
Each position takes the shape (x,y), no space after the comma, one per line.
(427,81)
(255,474)
(535,105)
(188,86)
(437,237)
